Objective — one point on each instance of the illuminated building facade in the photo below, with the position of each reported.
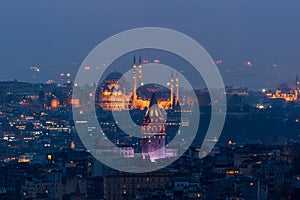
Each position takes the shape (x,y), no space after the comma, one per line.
(154,132)
(114,96)
(289,96)
(55,103)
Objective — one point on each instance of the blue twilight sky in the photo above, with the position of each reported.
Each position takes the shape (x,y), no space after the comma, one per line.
(56,35)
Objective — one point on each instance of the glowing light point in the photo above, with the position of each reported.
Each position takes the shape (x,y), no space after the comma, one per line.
(249,64)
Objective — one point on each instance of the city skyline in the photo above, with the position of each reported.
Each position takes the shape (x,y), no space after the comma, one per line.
(140,99)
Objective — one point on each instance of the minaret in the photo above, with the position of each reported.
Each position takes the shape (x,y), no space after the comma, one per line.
(297,82)
(171,89)
(154,132)
(297,88)
(140,72)
(134,80)
(177,89)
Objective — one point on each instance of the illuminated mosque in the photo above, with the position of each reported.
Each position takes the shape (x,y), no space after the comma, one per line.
(286,93)
(114,95)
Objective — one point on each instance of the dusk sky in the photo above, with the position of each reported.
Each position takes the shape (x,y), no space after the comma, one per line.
(57,35)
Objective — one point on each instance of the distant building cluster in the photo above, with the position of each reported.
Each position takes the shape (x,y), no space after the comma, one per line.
(287,93)
(42,157)
(230,172)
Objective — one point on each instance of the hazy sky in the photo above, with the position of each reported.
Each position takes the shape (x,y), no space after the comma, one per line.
(56,35)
